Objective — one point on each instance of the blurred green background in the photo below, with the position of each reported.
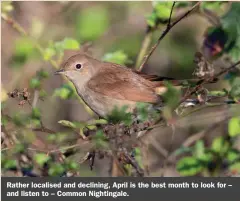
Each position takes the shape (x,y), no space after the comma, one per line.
(116,31)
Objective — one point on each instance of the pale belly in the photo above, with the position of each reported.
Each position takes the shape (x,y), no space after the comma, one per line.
(103,105)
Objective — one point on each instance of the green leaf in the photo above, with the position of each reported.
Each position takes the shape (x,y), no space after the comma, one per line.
(234,126)
(92,22)
(35,83)
(71,44)
(42,74)
(41,158)
(233,155)
(120,115)
(10,164)
(6,7)
(28,136)
(172,96)
(118,57)
(235,168)
(189,166)
(24,46)
(199,149)
(142,111)
(232,28)
(183,150)
(42,93)
(36,114)
(67,123)
(56,169)
(99,121)
(71,165)
(65,92)
(20,119)
(220,145)
(152,19)
(235,92)
(49,53)
(218,93)
(19,148)
(214,6)
(163,9)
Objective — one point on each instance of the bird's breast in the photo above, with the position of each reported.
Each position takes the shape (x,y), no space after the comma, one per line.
(101,104)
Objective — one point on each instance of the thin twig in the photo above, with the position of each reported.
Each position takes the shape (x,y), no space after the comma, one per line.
(164,33)
(204,81)
(23,32)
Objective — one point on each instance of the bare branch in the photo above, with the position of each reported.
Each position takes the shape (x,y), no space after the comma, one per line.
(164,33)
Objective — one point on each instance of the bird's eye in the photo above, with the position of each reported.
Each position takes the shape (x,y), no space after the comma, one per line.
(78,66)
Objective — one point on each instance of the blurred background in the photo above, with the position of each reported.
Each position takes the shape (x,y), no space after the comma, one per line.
(39,36)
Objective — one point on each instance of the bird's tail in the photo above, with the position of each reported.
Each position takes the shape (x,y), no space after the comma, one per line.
(162,88)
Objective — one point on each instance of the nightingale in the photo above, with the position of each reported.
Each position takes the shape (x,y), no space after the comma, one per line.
(104,85)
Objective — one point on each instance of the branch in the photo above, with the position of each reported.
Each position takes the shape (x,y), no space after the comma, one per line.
(202,82)
(23,32)
(164,33)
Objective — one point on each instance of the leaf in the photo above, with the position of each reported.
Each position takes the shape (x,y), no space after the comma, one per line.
(4,95)
(42,74)
(163,9)
(172,96)
(235,168)
(56,169)
(214,6)
(230,24)
(24,46)
(6,7)
(42,93)
(35,83)
(92,22)
(120,115)
(36,114)
(65,92)
(233,155)
(118,57)
(189,166)
(220,145)
(218,93)
(71,44)
(67,123)
(71,165)
(41,158)
(183,150)
(142,111)
(235,92)
(19,148)
(152,19)
(99,121)
(199,149)
(234,126)
(37,28)
(10,164)
(49,53)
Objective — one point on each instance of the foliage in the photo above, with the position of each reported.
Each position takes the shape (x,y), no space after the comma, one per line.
(225,38)
(91,23)
(118,57)
(210,161)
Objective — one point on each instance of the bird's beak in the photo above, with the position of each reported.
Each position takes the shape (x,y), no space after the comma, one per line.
(60,71)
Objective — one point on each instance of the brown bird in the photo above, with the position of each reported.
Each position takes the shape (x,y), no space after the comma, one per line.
(104,85)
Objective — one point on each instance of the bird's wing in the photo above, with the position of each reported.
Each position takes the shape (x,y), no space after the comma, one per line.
(152,77)
(121,83)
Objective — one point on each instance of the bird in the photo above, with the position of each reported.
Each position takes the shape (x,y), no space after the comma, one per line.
(104,86)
